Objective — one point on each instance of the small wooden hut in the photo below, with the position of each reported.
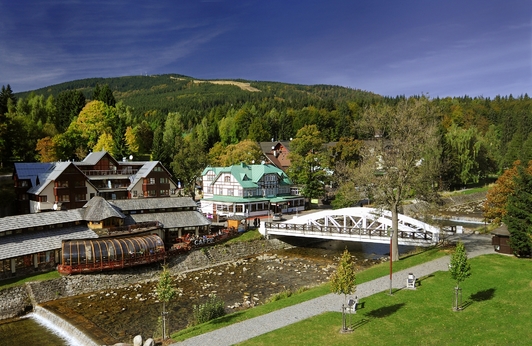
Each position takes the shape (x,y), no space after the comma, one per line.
(501,240)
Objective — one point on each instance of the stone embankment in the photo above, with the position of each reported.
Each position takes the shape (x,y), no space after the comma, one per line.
(459,207)
(17,301)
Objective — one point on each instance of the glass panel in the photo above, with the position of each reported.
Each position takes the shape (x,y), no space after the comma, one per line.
(66,252)
(103,248)
(82,257)
(88,251)
(97,252)
(74,253)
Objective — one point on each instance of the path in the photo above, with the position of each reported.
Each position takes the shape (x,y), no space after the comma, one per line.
(476,245)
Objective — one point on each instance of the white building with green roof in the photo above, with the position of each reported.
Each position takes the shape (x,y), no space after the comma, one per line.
(249,191)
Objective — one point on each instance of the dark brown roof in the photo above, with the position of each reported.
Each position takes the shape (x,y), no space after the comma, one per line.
(501,230)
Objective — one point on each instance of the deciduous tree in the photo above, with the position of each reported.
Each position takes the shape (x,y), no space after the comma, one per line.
(459,268)
(343,281)
(165,292)
(402,158)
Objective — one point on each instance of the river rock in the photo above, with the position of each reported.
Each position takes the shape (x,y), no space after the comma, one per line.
(137,340)
(149,342)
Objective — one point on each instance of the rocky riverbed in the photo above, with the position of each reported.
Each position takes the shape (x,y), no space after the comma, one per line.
(241,284)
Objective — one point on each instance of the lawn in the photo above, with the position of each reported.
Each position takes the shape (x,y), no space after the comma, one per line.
(374,272)
(496,312)
(19,281)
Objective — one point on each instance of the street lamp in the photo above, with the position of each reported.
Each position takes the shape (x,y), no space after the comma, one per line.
(391,238)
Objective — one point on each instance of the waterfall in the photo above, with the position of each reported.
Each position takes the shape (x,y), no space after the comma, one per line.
(61,328)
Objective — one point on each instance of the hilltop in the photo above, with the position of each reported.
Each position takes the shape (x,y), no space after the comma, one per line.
(179,93)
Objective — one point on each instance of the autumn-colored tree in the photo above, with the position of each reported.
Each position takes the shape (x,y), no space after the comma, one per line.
(106,143)
(94,119)
(494,207)
(131,141)
(246,151)
(46,150)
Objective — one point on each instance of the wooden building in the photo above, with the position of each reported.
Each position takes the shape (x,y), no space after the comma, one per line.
(501,240)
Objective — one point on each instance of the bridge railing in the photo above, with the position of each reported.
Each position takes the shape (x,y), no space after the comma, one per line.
(354,231)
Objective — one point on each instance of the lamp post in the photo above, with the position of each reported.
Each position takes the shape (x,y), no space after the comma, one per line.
(391,238)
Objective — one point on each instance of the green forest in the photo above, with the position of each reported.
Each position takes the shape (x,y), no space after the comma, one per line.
(188,124)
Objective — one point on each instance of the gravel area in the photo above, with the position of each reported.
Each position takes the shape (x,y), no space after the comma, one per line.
(476,245)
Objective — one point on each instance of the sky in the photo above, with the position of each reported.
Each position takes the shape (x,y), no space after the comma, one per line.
(389,47)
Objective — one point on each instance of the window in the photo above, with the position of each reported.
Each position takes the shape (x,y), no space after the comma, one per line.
(163,180)
(61,183)
(134,193)
(79,183)
(158,169)
(43,198)
(230,192)
(152,181)
(227,179)
(63,198)
(23,183)
(164,193)
(80,197)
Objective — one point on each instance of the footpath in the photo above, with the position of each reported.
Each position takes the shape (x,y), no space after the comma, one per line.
(476,245)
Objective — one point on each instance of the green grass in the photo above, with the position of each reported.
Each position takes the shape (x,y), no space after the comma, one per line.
(246,236)
(496,312)
(314,292)
(21,280)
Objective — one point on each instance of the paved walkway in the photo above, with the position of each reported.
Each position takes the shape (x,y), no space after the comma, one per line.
(475,245)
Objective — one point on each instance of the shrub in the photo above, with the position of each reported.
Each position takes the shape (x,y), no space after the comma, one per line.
(213,308)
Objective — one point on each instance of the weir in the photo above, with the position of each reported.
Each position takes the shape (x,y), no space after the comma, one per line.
(60,327)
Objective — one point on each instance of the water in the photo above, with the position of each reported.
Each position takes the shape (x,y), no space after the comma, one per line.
(28,331)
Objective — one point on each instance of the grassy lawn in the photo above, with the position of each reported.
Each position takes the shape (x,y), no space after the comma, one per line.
(297,297)
(21,280)
(496,312)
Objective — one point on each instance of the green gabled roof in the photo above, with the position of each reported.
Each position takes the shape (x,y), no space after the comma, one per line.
(248,175)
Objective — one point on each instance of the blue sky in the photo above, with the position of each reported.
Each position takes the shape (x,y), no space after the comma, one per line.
(390,47)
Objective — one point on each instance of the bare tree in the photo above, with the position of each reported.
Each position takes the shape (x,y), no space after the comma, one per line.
(401,159)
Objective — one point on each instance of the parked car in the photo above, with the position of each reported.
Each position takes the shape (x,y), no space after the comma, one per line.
(277,217)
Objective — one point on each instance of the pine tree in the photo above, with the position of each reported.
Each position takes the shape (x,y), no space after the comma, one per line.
(518,216)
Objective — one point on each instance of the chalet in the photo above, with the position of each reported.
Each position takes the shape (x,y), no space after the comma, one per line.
(69,185)
(248,190)
(33,242)
(277,153)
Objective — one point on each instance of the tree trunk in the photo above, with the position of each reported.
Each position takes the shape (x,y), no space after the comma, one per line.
(395,237)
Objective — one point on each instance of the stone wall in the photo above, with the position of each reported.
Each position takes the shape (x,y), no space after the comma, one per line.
(17,301)
(14,302)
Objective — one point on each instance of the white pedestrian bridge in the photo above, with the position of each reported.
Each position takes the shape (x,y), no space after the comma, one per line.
(354,224)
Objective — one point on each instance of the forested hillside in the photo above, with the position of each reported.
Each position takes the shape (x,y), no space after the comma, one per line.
(188,124)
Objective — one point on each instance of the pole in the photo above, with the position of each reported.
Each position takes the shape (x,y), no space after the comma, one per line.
(391,237)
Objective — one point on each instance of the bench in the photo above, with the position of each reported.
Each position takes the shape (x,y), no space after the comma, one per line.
(411,281)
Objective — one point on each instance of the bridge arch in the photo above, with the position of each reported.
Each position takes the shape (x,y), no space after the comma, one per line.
(354,224)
